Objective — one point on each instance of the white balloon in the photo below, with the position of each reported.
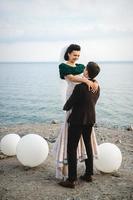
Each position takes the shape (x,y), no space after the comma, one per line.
(9,143)
(109,158)
(32,150)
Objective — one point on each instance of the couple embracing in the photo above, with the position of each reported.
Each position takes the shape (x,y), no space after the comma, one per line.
(77,140)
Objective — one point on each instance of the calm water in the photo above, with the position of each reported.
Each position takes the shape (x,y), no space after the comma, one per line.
(32,93)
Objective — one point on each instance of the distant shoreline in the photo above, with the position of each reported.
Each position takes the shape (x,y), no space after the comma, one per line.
(106,61)
(58,123)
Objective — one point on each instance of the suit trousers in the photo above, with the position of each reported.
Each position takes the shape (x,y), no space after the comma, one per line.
(74,134)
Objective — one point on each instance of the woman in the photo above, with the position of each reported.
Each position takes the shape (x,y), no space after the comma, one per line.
(72,73)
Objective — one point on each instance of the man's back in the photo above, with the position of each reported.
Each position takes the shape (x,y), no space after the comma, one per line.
(82,102)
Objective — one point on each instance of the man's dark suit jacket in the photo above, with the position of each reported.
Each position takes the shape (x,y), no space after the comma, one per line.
(82,102)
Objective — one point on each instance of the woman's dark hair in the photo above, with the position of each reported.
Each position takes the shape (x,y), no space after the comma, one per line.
(72,47)
(93,69)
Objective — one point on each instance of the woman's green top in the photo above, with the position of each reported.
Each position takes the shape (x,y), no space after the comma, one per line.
(66,69)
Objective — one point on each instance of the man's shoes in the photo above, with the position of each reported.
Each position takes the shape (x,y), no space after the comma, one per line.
(87,178)
(67,183)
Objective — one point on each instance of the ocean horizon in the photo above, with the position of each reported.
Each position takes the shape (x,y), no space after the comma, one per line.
(32,92)
(54,61)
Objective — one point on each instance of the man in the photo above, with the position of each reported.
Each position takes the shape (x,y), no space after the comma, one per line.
(81,120)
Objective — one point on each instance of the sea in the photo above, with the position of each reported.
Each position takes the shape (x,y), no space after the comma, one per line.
(33,93)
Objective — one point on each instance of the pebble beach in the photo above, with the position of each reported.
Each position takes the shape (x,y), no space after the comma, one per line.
(39,183)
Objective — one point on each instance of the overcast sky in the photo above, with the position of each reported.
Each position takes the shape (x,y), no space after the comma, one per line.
(37,30)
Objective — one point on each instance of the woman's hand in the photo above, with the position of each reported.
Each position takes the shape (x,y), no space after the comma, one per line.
(94,87)
(88,82)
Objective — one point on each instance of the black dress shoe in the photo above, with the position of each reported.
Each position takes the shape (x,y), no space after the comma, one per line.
(67,184)
(87,178)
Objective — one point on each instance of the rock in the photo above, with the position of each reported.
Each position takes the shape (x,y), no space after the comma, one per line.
(54,122)
(26,168)
(102,138)
(130,128)
(115,174)
(2,156)
(1,171)
(96,125)
(118,141)
(50,139)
